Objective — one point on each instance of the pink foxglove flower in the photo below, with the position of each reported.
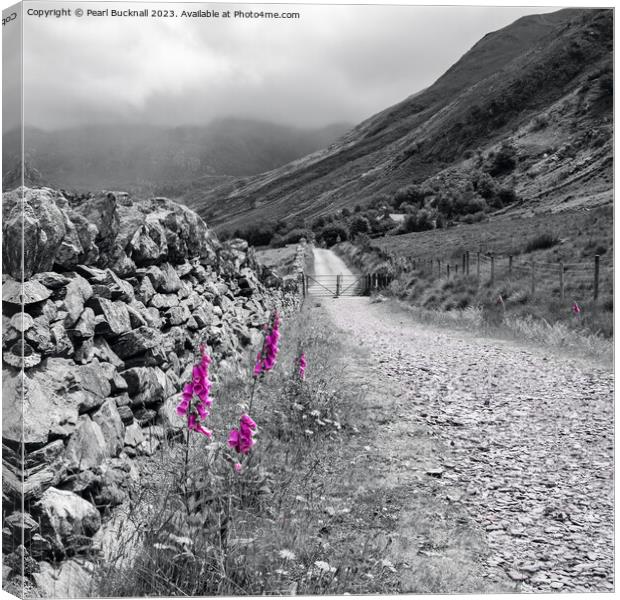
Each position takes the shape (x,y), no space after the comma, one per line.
(302,366)
(237,467)
(576,309)
(195,398)
(266,359)
(241,439)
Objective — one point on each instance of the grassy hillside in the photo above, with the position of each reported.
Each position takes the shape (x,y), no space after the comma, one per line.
(419,263)
(540,84)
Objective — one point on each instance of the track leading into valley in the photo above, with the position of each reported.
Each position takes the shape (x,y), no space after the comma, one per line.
(497,456)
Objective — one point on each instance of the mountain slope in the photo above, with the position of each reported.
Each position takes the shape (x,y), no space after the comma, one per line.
(533,67)
(165,158)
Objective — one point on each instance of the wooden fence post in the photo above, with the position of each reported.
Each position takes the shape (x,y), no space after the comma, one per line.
(492,268)
(597,259)
(467,261)
(456,270)
(478,267)
(338,285)
(510,266)
(561,281)
(448,268)
(303,284)
(464,259)
(533,283)
(439,266)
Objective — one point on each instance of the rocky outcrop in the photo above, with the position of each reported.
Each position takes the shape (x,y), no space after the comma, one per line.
(118,296)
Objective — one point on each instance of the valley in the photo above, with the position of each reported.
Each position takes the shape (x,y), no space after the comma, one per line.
(535,94)
(225,417)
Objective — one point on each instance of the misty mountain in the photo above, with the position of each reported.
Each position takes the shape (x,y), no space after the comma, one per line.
(159,159)
(541,85)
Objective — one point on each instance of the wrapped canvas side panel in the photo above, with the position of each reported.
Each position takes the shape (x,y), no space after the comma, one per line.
(15,528)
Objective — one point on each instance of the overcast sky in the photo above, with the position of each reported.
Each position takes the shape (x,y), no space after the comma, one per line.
(335,63)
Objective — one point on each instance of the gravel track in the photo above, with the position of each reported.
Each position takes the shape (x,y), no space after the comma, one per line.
(522,444)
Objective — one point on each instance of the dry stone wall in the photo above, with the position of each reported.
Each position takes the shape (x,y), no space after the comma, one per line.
(117,296)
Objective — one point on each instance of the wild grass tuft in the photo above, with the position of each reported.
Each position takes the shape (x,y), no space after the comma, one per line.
(541,242)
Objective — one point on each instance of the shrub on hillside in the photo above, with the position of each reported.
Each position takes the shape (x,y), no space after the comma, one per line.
(381,226)
(505,196)
(474,218)
(410,194)
(424,221)
(408,208)
(332,234)
(445,204)
(363,241)
(541,242)
(468,204)
(485,185)
(379,202)
(292,237)
(418,221)
(504,161)
(259,234)
(318,223)
(359,225)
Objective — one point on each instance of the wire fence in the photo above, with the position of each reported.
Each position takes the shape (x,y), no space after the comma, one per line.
(586,280)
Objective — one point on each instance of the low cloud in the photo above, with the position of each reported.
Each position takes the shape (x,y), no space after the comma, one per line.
(335,63)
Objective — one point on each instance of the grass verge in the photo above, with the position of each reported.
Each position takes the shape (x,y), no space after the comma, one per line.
(202,529)
(505,307)
(558,335)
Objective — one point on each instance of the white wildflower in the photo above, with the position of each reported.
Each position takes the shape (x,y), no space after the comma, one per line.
(321,565)
(287,554)
(387,564)
(159,546)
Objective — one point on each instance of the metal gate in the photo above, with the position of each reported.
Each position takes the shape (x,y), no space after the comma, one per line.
(336,286)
